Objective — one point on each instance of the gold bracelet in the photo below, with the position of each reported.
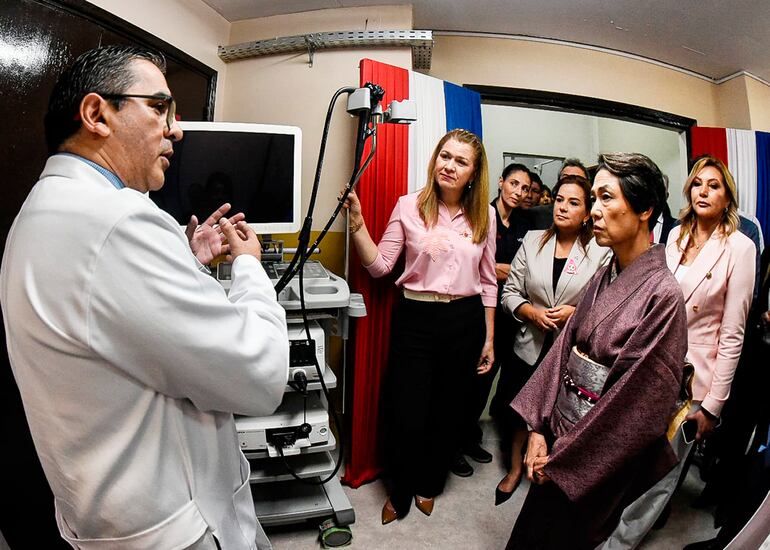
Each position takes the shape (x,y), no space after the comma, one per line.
(354,227)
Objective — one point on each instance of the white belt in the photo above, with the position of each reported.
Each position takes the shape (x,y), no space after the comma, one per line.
(429,296)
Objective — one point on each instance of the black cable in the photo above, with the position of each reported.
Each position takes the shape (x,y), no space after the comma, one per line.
(304,252)
(304,234)
(353,181)
(341,442)
(376,93)
(354,178)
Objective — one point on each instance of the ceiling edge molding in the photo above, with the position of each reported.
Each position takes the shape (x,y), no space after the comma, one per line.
(742,73)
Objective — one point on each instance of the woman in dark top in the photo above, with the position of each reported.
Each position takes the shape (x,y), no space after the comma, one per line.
(512,224)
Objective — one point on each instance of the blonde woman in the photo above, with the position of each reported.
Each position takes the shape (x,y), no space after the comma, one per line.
(443,326)
(714,264)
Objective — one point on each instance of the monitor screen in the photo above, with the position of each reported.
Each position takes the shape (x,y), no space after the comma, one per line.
(254,167)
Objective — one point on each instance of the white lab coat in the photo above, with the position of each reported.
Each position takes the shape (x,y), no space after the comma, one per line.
(131,362)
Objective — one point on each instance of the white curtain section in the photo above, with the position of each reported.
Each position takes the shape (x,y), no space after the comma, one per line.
(428,94)
(742,155)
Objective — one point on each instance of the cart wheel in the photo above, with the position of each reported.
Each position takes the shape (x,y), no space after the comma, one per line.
(333,536)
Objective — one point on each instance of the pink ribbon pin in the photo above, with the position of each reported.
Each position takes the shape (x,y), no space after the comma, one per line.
(571,267)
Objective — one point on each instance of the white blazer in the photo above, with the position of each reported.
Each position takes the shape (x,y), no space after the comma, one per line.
(131,362)
(717,289)
(531,281)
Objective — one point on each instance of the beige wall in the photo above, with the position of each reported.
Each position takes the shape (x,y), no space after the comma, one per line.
(733,104)
(285,89)
(759,104)
(742,102)
(572,70)
(189,25)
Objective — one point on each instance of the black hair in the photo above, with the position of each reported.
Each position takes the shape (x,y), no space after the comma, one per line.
(573,162)
(586,230)
(536,179)
(640,180)
(105,69)
(515,167)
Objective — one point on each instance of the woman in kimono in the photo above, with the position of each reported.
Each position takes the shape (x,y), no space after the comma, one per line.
(714,264)
(599,404)
(544,284)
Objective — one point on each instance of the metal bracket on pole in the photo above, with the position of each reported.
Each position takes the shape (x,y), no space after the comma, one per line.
(311,48)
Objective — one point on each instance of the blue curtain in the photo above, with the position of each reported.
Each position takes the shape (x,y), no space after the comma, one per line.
(463,109)
(763,184)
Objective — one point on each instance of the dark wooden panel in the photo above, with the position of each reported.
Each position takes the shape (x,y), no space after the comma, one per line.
(38,39)
(41,38)
(580,104)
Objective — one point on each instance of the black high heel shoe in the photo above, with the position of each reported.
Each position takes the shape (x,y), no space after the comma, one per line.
(503,496)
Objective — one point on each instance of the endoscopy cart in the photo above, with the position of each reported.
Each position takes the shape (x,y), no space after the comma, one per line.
(279,498)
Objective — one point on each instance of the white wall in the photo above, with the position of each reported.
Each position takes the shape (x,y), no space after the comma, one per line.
(535,132)
(664,147)
(553,133)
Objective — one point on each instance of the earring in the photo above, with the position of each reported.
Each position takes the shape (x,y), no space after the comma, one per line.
(470,184)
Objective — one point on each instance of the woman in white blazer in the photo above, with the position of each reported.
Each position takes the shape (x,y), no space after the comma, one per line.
(715,266)
(547,276)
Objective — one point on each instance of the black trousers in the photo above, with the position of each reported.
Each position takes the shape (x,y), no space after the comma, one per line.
(478,394)
(514,373)
(434,351)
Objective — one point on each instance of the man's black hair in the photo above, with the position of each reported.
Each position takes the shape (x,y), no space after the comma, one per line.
(105,69)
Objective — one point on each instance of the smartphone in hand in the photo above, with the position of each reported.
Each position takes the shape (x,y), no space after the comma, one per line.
(689,431)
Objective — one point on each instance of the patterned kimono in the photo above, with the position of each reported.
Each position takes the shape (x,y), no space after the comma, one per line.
(635,326)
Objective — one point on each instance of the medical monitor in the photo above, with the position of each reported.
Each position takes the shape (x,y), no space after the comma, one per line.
(254,167)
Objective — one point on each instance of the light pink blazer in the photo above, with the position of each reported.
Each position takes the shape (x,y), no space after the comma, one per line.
(717,292)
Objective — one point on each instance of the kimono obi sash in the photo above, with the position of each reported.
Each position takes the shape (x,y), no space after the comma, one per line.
(581,388)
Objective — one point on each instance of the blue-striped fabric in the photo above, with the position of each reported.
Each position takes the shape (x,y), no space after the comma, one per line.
(463,109)
(763,184)
(111,177)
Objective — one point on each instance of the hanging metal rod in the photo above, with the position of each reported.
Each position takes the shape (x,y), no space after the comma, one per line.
(421,43)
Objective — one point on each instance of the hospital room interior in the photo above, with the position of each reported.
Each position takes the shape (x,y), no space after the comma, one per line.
(319,120)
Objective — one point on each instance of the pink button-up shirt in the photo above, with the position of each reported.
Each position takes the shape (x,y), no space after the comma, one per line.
(442,259)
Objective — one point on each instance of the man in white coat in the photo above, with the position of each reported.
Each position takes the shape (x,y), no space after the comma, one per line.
(131,360)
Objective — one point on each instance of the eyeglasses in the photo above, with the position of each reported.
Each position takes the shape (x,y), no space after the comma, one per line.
(169,104)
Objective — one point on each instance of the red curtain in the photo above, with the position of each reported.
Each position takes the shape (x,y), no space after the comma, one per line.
(382,184)
(712,141)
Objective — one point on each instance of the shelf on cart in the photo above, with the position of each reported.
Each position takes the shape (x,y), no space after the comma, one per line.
(306,465)
(328,446)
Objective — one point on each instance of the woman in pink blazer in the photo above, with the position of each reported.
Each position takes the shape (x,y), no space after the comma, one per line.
(714,264)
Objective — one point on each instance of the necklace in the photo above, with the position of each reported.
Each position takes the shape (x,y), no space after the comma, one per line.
(696,244)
